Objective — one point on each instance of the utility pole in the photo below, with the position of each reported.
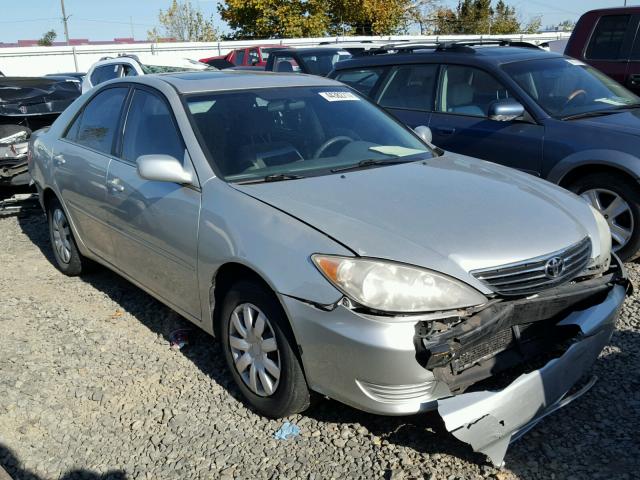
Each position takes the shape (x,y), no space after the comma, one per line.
(64,21)
(131,24)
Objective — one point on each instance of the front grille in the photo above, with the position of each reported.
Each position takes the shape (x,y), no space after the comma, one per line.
(536,274)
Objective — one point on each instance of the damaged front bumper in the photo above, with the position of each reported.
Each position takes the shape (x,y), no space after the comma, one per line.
(538,348)
(489,420)
(14,169)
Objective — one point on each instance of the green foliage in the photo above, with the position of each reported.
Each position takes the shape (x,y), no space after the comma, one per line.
(479,17)
(315,18)
(48,38)
(185,23)
(275,18)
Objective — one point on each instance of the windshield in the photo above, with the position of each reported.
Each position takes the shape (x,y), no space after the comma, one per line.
(321,63)
(565,87)
(299,131)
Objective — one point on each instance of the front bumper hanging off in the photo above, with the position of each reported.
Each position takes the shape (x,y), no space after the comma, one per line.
(490,420)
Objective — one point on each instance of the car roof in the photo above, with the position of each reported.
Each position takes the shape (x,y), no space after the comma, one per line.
(223,80)
(472,55)
(322,48)
(618,10)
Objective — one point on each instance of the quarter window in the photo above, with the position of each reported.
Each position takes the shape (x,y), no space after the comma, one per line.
(410,86)
(239,57)
(99,120)
(150,129)
(362,80)
(608,38)
(469,91)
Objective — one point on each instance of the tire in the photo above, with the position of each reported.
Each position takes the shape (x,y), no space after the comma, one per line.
(606,184)
(70,262)
(290,393)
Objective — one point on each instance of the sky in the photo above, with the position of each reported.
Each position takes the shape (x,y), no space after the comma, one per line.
(108,19)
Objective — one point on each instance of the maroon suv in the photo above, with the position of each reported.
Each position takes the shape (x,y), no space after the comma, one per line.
(607,39)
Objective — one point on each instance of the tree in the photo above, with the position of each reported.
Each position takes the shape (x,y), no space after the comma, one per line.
(185,23)
(48,38)
(275,18)
(313,18)
(478,17)
(564,26)
(421,13)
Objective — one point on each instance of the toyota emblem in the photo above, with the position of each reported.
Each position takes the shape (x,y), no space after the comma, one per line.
(23,109)
(554,267)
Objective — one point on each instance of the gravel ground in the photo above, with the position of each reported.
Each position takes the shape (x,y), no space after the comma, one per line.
(89,388)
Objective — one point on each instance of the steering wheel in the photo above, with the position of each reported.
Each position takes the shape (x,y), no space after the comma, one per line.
(575,94)
(328,143)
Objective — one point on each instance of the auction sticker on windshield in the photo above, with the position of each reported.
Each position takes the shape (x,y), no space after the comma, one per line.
(338,96)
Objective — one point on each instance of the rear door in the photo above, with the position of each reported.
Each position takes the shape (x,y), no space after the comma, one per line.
(408,93)
(609,46)
(154,224)
(460,122)
(633,69)
(80,167)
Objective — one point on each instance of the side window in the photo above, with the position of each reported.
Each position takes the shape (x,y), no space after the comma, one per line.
(608,38)
(150,129)
(469,91)
(104,73)
(99,120)
(285,63)
(363,79)
(239,60)
(129,71)
(254,56)
(410,86)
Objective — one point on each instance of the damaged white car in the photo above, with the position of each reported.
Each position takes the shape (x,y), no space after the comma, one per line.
(332,250)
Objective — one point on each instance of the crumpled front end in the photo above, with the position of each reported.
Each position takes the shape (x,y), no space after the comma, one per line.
(492,372)
(14,148)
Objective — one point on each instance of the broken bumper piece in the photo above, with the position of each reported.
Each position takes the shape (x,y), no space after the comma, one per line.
(490,420)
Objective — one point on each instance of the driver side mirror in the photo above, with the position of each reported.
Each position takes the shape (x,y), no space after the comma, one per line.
(424,133)
(163,168)
(505,110)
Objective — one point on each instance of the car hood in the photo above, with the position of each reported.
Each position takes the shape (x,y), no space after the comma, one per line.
(453,214)
(628,122)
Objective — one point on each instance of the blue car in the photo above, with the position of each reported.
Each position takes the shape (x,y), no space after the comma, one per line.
(540,112)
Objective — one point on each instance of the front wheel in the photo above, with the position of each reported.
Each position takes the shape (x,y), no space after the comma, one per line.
(260,351)
(617,198)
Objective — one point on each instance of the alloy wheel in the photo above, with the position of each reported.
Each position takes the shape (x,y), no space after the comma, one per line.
(61,235)
(254,349)
(616,212)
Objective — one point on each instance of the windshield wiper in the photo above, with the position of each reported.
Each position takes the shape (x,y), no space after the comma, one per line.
(598,113)
(274,177)
(370,162)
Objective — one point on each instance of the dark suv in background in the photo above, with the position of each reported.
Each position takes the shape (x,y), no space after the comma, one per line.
(607,39)
(540,112)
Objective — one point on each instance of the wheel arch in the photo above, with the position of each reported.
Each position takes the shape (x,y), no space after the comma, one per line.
(594,168)
(590,161)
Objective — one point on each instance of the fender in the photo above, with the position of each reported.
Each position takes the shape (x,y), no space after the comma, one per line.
(612,158)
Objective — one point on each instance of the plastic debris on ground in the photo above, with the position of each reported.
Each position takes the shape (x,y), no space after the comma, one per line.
(178,339)
(287,431)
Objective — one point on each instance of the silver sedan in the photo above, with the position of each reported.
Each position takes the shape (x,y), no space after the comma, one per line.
(332,250)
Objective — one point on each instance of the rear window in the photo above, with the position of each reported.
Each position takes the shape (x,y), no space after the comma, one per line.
(608,38)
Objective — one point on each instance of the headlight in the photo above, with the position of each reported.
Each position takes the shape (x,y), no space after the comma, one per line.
(392,287)
(602,257)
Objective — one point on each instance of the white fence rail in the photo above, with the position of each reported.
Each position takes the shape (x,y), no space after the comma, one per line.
(33,61)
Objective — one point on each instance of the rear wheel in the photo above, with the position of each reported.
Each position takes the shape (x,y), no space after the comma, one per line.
(618,199)
(68,259)
(260,351)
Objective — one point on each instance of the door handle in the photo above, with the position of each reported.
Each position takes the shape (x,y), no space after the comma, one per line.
(59,160)
(445,130)
(114,186)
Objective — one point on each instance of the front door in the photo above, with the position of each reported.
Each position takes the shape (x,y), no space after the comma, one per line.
(80,168)
(460,122)
(155,224)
